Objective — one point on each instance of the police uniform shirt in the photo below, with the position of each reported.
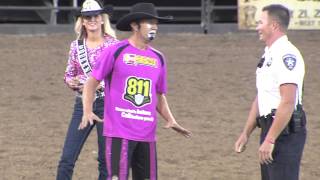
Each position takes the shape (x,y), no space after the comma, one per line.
(281,63)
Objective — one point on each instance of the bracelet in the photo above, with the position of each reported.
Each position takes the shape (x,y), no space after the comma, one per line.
(269,141)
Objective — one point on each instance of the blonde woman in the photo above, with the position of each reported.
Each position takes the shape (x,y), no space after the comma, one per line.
(94,34)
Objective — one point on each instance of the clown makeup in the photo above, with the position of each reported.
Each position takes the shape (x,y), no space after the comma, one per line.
(148,28)
(152,33)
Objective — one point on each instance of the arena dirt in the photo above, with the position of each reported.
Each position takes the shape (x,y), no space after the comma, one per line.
(211,86)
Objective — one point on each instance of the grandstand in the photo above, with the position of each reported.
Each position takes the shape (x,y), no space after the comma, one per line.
(46,16)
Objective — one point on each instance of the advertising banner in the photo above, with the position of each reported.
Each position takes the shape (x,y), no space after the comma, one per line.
(305,14)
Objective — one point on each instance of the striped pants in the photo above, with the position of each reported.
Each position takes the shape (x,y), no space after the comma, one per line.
(121,154)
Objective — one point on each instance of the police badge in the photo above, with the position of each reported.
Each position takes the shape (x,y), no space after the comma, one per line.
(290,61)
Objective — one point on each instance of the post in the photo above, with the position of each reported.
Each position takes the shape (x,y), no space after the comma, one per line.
(54,11)
(75,3)
(206,11)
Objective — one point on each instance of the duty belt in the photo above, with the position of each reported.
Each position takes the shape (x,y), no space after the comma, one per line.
(297,121)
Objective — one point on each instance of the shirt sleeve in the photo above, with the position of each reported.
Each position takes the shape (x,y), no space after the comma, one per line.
(104,65)
(288,71)
(162,82)
(71,69)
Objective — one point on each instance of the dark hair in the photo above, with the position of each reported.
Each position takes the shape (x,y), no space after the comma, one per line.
(279,13)
(137,21)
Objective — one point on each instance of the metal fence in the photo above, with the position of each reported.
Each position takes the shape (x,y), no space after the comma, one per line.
(207,12)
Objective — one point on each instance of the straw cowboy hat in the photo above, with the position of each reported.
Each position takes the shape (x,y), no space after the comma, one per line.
(137,12)
(93,7)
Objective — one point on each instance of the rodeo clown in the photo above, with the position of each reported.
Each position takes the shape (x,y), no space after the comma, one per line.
(135,76)
(277,108)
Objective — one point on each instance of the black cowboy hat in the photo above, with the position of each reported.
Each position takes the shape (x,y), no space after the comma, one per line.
(137,12)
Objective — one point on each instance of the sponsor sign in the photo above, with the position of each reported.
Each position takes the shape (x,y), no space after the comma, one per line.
(305,14)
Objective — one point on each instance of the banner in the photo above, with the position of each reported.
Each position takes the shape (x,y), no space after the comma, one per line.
(305,14)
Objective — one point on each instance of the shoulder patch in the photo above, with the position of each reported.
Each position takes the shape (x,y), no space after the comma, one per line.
(289,61)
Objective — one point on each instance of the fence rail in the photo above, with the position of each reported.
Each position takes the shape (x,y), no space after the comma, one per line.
(51,11)
(127,8)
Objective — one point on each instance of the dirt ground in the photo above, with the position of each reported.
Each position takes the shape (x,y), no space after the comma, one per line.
(211,86)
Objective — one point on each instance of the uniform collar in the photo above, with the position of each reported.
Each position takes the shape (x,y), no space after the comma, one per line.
(277,44)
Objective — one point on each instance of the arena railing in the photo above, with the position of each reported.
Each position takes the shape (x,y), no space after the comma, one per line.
(55,10)
(206,9)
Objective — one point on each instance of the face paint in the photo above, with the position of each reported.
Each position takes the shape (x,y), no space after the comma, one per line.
(151,33)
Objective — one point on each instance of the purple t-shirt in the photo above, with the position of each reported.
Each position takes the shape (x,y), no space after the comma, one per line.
(132,77)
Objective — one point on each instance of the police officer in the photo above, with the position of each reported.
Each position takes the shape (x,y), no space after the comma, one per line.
(277,107)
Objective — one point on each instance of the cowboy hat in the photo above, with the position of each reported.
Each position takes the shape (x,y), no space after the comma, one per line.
(137,12)
(94,7)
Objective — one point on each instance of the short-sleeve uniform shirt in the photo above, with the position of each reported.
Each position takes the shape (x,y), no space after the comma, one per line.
(132,77)
(281,63)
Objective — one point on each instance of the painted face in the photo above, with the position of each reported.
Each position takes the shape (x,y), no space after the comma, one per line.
(264,27)
(148,29)
(92,23)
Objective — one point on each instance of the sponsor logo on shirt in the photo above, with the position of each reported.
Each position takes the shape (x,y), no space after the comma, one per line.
(134,59)
(138,91)
(135,114)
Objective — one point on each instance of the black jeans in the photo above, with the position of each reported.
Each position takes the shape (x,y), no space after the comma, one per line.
(287,155)
(75,140)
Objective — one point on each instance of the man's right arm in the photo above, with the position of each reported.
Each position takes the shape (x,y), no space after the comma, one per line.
(248,128)
(251,123)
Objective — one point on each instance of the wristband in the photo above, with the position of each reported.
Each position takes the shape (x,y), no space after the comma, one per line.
(269,141)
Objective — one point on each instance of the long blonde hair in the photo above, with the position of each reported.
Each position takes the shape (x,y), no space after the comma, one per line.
(106,27)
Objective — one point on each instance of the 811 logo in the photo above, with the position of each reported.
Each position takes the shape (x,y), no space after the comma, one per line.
(137,91)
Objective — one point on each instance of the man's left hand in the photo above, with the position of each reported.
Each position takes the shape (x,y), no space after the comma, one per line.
(175,126)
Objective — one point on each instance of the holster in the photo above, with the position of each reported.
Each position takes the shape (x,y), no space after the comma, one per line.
(296,123)
(298,120)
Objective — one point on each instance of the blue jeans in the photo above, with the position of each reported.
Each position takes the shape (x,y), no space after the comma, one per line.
(75,140)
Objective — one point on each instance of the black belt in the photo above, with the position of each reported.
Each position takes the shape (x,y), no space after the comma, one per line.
(99,93)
